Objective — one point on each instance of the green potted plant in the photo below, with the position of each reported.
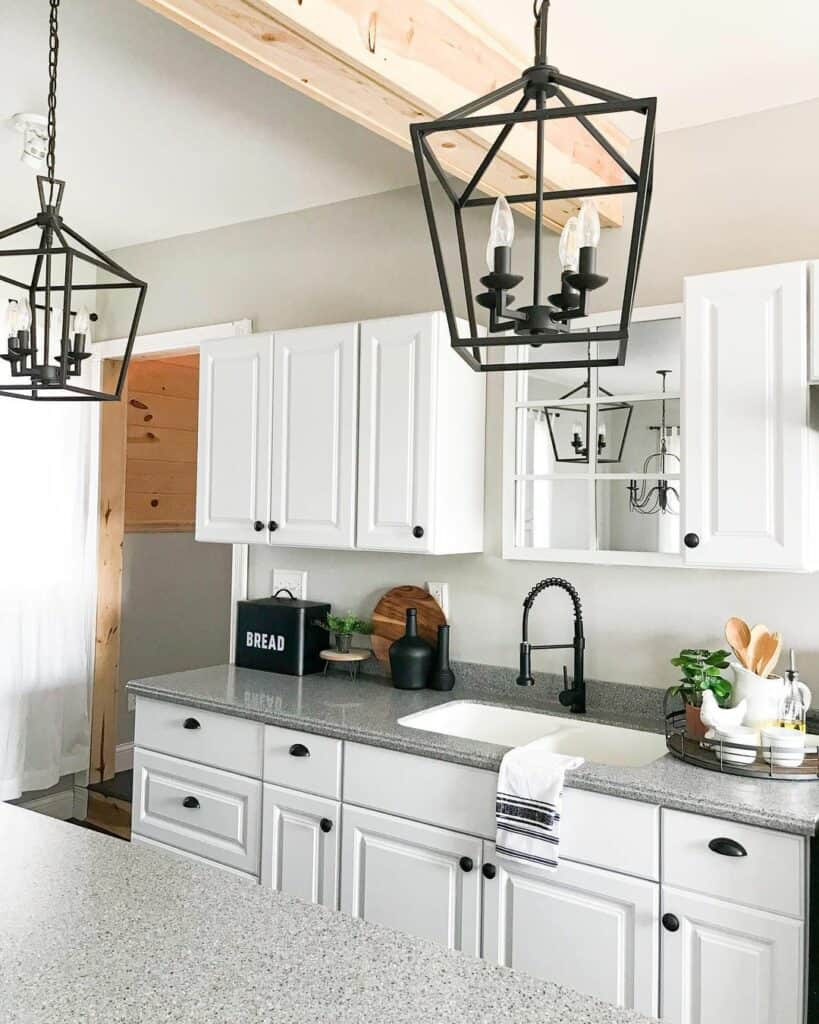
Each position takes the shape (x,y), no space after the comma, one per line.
(701,671)
(343,627)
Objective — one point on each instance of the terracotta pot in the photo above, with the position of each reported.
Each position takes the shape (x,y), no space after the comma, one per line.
(694,726)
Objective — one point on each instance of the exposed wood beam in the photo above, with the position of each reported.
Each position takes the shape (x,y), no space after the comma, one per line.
(385,64)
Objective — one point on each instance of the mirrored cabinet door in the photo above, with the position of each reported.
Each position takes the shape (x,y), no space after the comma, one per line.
(592,463)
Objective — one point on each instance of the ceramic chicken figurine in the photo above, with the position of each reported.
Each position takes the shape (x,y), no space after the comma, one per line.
(721,719)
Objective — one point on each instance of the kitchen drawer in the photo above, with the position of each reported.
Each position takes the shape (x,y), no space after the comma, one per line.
(205,811)
(206,737)
(303,761)
(604,831)
(771,876)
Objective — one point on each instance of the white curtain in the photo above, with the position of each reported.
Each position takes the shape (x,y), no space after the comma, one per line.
(47,588)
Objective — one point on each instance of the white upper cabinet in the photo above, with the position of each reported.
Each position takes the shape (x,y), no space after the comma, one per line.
(315,379)
(280,461)
(233,471)
(421,440)
(746,418)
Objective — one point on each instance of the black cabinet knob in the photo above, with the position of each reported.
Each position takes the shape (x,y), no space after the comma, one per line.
(691,540)
(466,863)
(727,847)
(258,526)
(326,825)
(418,531)
(299,750)
(190,802)
(671,923)
(191,723)
(272,526)
(489,870)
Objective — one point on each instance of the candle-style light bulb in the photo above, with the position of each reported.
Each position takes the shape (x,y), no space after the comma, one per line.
(12,314)
(588,223)
(569,245)
(23,316)
(501,230)
(82,324)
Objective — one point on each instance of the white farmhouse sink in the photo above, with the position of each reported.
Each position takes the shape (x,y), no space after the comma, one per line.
(508,727)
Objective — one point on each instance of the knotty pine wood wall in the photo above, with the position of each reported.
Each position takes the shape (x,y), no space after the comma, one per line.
(160,474)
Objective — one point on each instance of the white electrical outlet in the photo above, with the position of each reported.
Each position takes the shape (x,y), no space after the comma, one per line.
(440,591)
(293,580)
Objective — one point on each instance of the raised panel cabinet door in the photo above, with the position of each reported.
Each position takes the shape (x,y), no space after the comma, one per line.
(233,467)
(395,463)
(422,880)
(594,931)
(745,417)
(300,845)
(725,964)
(315,384)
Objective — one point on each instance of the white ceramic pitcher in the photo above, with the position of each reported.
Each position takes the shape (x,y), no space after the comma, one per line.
(764,696)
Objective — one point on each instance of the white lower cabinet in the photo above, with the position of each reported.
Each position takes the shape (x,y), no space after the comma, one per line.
(419,879)
(594,931)
(300,845)
(726,964)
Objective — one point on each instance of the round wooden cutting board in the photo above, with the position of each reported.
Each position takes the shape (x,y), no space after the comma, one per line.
(390,618)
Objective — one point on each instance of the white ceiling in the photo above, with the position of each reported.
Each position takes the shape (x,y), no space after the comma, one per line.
(705,60)
(161,133)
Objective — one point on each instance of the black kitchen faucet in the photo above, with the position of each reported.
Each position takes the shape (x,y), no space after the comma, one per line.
(574,696)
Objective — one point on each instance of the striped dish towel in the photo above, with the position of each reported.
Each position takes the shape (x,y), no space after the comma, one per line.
(528,803)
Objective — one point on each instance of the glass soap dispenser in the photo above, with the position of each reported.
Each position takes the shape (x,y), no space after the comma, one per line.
(793,708)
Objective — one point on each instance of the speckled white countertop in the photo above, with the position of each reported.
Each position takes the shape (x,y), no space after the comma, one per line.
(367,711)
(97,931)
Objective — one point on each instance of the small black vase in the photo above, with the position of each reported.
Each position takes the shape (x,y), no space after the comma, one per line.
(410,657)
(442,677)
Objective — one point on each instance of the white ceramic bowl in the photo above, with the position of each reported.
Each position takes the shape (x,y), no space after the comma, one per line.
(739,736)
(783,748)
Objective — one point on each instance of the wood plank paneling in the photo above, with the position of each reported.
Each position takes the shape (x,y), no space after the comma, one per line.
(161,450)
(109,579)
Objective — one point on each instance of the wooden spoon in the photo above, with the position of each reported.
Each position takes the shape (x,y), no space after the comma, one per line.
(738,635)
(758,633)
(768,651)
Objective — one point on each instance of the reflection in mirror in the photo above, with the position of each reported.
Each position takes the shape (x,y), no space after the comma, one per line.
(553,514)
(653,345)
(643,451)
(553,383)
(541,432)
(620,528)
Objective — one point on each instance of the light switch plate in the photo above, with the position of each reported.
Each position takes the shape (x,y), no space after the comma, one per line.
(132,702)
(440,591)
(294,580)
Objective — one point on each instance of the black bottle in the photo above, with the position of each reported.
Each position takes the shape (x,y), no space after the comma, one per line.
(410,657)
(442,677)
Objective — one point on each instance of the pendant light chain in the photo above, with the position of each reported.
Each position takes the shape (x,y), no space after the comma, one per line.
(53,56)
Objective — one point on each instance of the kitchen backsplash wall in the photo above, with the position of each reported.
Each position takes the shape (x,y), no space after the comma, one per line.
(715,207)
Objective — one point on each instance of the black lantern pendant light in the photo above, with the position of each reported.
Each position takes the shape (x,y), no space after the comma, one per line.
(574,445)
(545,320)
(47,324)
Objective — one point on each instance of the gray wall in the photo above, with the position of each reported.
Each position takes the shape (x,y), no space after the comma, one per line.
(175,609)
(720,201)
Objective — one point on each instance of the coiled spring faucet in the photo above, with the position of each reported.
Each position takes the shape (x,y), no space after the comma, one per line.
(574,696)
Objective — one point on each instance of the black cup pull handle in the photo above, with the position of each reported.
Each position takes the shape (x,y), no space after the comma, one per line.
(418,532)
(727,847)
(258,526)
(299,750)
(671,922)
(466,863)
(691,540)
(190,802)
(191,723)
(326,825)
(489,871)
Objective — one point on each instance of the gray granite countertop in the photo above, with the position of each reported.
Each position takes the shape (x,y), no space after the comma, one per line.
(96,930)
(367,710)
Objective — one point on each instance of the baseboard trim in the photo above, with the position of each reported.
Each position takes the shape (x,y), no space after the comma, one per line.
(124,757)
(54,805)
